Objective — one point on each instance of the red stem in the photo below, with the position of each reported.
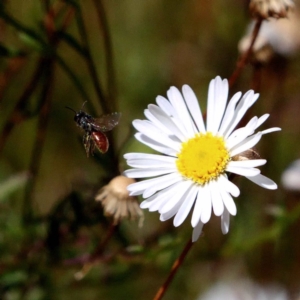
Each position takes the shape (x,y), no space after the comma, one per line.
(173,271)
(244,58)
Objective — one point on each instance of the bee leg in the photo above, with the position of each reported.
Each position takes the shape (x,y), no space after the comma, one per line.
(92,146)
(87,143)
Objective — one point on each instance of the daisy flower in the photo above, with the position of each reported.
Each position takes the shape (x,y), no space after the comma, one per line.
(192,173)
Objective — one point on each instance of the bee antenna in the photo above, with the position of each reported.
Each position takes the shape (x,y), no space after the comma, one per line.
(70,109)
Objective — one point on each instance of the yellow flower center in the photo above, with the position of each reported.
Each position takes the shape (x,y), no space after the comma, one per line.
(203,158)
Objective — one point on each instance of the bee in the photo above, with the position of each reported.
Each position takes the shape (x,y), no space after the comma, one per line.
(94,128)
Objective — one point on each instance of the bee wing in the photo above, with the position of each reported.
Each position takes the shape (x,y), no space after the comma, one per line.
(106,122)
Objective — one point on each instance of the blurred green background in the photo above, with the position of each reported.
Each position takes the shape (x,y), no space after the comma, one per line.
(118,56)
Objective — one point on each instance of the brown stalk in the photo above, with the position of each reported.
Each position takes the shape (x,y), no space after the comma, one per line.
(110,70)
(47,73)
(173,271)
(246,55)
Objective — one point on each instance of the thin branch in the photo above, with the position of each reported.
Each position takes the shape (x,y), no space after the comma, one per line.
(90,62)
(36,155)
(19,113)
(246,55)
(96,255)
(108,49)
(45,105)
(173,271)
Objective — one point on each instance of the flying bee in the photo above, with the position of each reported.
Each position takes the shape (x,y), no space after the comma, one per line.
(94,128)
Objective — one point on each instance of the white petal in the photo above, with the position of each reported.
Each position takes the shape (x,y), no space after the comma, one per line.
(159,125)
(164,182)
(206,208)
(135,193)
(156,157)
(185,206)
(225,221)
(178,103)
(238,136)
(156,204)
(217,202)
(155,145)
(262,119)
(242,133)
(229,186)
(252,123)
(171,213)
(246,144)
(146,203)
(157,200)
(141,173)
(197,231)
(165,196)
(229,113)
(228,202)
(210,105)
(263,181)
(144,163)
(247,101)
(173,210)
(148,129)
(194,108)
(155,122)
(243,171)
(201,196)
(166,121)
(273,129)
(144,184)
(150,183)
(182,188)
(166,106)
(247,163)
(220,96)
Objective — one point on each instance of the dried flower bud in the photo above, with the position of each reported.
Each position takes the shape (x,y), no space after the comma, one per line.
(116,201)
(270,8)
(276,37)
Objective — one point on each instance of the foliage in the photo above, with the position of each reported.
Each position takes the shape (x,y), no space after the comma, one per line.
(55,241)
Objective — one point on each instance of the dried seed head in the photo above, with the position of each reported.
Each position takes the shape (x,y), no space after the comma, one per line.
(270,8)
(117,202)
(276,37)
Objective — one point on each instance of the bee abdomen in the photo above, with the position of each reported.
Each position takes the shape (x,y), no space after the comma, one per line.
(101,141)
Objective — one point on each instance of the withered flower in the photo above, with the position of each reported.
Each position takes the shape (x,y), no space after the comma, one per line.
(276,37)
(271,8)
(117,202)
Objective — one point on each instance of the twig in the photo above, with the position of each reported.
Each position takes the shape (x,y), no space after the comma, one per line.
(244,58)
(19,114)
(45,105)
(91,63)
(110,70)
(95,256)
(174,269)
(45,98)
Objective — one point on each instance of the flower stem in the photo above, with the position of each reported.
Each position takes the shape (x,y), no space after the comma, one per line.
(174,269)
(244,58)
